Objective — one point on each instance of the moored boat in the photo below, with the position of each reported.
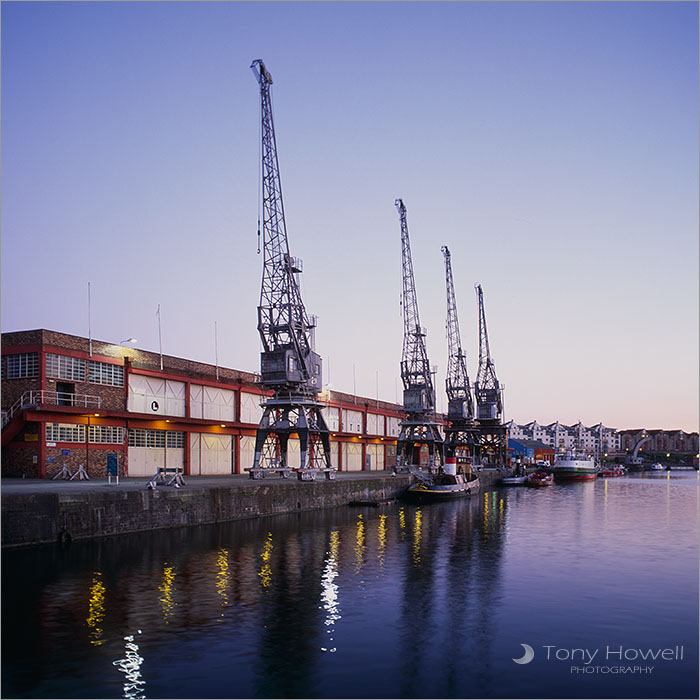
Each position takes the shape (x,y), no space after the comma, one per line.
(513,480)
(611,470)
(657,467)
(574,466)
(446,485)
(541,478)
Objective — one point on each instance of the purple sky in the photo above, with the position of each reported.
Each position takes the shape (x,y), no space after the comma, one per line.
(552,146)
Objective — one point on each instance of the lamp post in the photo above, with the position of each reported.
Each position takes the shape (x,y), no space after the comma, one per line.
(128,340)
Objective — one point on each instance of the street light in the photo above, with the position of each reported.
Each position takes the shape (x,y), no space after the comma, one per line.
(128,340)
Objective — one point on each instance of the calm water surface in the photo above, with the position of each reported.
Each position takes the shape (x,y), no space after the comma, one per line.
(401,601)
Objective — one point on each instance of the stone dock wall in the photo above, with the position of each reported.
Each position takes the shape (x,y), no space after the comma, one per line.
(40,516)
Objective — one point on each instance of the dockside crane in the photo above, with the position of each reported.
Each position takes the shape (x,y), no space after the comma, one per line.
(492,437)
(459,396)
(459,433)
(289,365)
(420,427)
(486,388)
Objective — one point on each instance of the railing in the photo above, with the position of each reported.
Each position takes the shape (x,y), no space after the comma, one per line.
(50,398)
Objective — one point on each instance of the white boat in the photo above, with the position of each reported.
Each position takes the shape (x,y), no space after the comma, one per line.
(574,466)
(657,467)
(514,480)
(517,476)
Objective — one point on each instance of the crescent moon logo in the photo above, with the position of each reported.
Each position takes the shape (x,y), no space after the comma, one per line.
(528,656)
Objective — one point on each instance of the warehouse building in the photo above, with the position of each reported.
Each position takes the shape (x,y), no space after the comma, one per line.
(69,401)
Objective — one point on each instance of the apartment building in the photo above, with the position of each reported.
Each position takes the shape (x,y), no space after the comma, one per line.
(597,439)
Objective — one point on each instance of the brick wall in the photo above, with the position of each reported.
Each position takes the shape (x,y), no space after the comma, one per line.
(12,390)
(18,461)
(94,459)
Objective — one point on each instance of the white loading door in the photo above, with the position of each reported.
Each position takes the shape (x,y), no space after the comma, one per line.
(247,452)
(250,408)
(352,421)
(210,454)
(334,455)
(219,404)
(332,416)
(352,456)
(146,461)
(146,394)
(196,397)
(156,396)
(375,455)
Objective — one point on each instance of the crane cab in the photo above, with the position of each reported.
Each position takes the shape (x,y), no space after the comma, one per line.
(283,366)
(418,399)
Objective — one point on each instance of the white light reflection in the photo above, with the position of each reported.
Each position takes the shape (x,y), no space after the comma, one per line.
(329,590)
(130,666)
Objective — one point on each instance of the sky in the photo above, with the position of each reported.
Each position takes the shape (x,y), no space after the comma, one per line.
(552,146)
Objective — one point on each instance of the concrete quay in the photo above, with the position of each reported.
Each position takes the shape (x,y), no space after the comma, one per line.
(44,511)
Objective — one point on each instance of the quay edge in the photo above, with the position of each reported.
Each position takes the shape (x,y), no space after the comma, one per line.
(33,515)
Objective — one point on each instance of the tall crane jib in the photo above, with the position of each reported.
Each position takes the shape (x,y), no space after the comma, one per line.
(419,394)
(420,427)
(289,364)
(460,406)
(489,406)
(288,358)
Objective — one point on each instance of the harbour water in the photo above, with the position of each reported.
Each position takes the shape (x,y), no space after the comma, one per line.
(598,579)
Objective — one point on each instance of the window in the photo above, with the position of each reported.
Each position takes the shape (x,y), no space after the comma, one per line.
(23,365)
(105,373)
(175,439)
(65,432)
(138,437)
(106,434)
(64,367)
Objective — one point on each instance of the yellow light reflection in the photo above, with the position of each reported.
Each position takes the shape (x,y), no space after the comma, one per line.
(130,666)
(223,577)
(96,609)
(265,572)
(381,530)
(359,543)
(417,531)
(402,518)
(329,590)
(166,588)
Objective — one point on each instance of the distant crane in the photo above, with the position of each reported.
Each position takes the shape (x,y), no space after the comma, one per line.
(289,365)
(492,435)
(489,404)
(460,407)
(420,427)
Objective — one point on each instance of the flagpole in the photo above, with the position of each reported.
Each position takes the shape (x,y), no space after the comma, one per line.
(216,352)
(160,340)
(89,322)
